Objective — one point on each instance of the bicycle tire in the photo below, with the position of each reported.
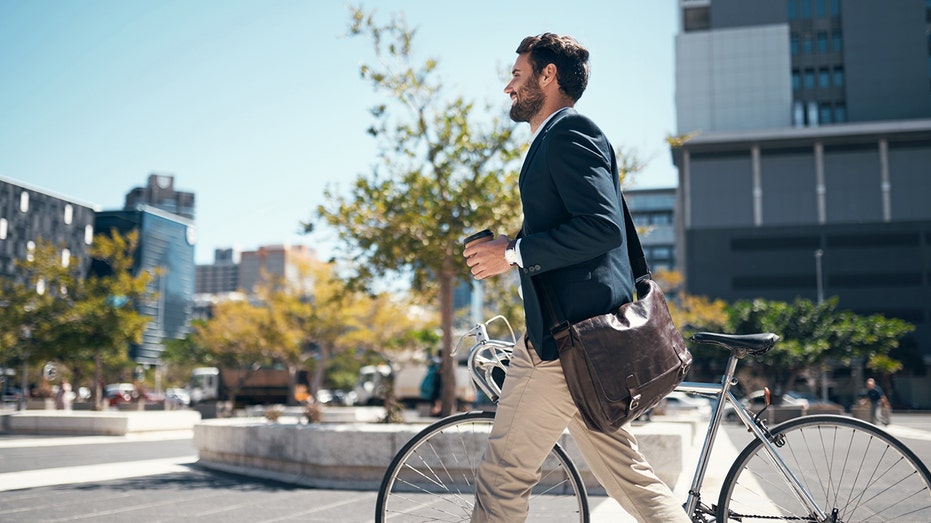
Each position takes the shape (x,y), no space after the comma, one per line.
(855,472)
(432,477)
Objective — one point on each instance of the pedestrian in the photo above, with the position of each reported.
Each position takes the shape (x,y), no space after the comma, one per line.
(431,387)
(878,402)
(572,241)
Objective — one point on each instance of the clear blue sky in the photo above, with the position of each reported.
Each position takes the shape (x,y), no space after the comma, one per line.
(257,105)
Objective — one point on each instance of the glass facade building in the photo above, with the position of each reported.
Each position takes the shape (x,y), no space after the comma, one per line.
(166,249)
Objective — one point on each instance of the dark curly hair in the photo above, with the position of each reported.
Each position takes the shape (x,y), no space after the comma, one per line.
(568,55)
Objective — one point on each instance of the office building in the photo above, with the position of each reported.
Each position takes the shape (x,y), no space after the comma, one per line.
(653,212)
(287,261)
(220,276)
(166,250)
(159,192)
(805,168)
(29,214)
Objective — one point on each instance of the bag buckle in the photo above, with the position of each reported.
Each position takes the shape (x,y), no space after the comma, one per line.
(634,402)
(560,330)
(632,385)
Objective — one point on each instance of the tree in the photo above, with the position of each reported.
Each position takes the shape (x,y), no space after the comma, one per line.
(811,333)
(441,175)
(33,302)
(103,318)
(246,336)
(85,323)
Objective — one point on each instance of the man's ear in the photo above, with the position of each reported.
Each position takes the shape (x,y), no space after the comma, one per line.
(548,75)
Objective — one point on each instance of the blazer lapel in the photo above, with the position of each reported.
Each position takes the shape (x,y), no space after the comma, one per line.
(535,145)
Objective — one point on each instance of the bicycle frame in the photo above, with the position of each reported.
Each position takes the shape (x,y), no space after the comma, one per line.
(722,393)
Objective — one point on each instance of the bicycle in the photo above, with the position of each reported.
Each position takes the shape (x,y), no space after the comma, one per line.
(821,468)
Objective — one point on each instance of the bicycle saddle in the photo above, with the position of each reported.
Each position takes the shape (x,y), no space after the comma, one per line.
(754,344)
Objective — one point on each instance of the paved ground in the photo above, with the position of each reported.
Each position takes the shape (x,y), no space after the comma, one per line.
(148,478)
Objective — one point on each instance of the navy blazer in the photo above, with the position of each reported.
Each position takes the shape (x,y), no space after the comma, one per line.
(573,238)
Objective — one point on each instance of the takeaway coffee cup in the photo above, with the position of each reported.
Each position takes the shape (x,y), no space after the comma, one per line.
(480,236)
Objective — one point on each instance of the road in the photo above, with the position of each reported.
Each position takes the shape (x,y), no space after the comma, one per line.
(121,479)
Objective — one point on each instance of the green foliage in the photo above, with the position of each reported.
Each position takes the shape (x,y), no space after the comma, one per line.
(442,173)
(54,313)
(811,333)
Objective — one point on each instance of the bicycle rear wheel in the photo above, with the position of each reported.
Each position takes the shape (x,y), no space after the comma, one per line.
(432,477)
(853,470)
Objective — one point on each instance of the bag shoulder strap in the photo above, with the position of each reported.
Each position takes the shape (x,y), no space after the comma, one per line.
(639,268)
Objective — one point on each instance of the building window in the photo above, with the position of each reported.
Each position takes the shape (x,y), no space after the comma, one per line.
(822,42)
(793,44)
(88,234)
(835,7)
(805,9)
(792,9)
(806,44)
(824,113)
(840,113)
(3,228)
(69,213)
(65,258)
(820,8)
(24,202)
(837,42)
(796,80)
(824,77)
(30,250)
(809,78)
(696,19)
(838,77)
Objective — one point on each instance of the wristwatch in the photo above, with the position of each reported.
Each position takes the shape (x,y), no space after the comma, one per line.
(510,253)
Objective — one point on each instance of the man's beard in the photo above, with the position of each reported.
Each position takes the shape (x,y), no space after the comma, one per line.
(529,102)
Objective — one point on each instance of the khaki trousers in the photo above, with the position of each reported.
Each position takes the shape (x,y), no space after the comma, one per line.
(534,409)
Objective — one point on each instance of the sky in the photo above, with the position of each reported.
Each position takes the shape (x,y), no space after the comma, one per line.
(257,106)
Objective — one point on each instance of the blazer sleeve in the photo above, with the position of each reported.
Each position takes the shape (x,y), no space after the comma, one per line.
(589,222)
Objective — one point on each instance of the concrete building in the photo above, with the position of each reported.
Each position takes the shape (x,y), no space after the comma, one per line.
(220,276)
(286,261)
(159,192)
(805,171)
(234,275)
(653,212)
(29,214)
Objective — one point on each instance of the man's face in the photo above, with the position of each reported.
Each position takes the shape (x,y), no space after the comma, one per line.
(526,96)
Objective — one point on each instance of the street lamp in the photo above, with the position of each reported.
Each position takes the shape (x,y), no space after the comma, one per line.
(26,336)
(819,281)
(818,254)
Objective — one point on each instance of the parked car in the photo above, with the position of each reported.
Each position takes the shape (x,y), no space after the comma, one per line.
(178,397)
(679,403)
(116,393)
(756,399)
(336,397)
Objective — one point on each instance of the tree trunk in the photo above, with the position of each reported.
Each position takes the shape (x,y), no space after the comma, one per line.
(319,370)
(98,376)
(447,364)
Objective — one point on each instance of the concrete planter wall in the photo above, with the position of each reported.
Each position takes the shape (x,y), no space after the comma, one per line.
(111,423)
(40,404)
(355,455)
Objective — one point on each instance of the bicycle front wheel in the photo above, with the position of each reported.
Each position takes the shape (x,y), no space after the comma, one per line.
(853,470)
(432,478)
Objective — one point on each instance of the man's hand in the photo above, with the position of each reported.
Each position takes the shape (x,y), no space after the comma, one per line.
(487,258)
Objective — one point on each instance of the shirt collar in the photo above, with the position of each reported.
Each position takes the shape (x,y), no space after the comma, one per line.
(543,125)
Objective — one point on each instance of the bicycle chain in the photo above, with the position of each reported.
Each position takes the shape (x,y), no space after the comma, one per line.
(784,518)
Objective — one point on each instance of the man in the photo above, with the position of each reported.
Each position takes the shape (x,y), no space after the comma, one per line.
(877,398)
(572,242)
